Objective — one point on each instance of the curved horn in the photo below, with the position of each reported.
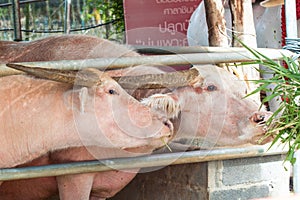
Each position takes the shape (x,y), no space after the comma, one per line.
(88,77)
(271,3)
(156,81)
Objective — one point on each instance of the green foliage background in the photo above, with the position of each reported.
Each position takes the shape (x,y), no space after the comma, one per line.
(47,17)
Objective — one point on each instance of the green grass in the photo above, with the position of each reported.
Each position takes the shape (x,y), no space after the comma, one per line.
(284,125)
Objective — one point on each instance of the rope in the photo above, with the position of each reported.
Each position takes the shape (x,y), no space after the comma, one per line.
(292,44)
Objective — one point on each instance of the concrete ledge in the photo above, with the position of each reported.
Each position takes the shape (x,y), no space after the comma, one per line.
(241,179)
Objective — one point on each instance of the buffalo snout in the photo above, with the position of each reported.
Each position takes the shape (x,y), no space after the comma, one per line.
(260,117)
(168,124)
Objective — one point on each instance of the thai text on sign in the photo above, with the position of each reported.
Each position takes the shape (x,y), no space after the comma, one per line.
(158,22)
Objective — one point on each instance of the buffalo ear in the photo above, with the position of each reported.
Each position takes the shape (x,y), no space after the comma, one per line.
(77,99)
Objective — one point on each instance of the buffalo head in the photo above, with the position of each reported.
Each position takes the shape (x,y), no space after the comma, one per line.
(213,109)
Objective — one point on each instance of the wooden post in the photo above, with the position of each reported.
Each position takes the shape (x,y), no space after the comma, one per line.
(242,23)
(244,30)
(216,24)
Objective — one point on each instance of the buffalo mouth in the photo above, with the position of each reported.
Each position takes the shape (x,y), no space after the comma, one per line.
(157,141)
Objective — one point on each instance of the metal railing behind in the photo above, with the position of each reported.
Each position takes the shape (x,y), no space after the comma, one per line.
(154,160)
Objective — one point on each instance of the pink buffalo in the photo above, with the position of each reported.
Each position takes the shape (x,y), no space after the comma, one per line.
(42,116)
(211,111)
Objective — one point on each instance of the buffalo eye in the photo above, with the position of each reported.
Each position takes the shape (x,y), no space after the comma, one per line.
(111,91)
(211,88)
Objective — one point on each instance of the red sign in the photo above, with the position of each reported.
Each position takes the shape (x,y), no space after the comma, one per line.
(158,22)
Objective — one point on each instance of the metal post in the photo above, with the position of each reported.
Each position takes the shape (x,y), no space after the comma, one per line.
(17,20)
(291,34)
(67,24)
(290,18)
(296,173)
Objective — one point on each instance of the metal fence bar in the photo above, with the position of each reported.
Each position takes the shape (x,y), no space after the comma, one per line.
(17,20)
(291,38)
(155,160)
(178,59)
(184,49)
(67,22)
(21,2)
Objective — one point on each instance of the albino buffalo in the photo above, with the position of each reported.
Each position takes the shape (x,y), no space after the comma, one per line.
(42,116)
(39,116)
(64,47)
(211,109)
(267,23)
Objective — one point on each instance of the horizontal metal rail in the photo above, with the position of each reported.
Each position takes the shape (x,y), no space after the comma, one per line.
(21,2)
(185,49)
(155,160)
(178,59)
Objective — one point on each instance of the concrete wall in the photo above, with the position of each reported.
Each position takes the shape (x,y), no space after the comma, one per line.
(239,179)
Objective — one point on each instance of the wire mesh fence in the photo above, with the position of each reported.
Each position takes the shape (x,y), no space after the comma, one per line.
(39,18)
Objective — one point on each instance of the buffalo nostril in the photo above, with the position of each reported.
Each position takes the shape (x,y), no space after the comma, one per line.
(259,118)
(168,124)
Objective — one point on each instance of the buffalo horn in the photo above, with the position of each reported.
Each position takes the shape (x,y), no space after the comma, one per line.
(88,77)
(156,81)
(271,3)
